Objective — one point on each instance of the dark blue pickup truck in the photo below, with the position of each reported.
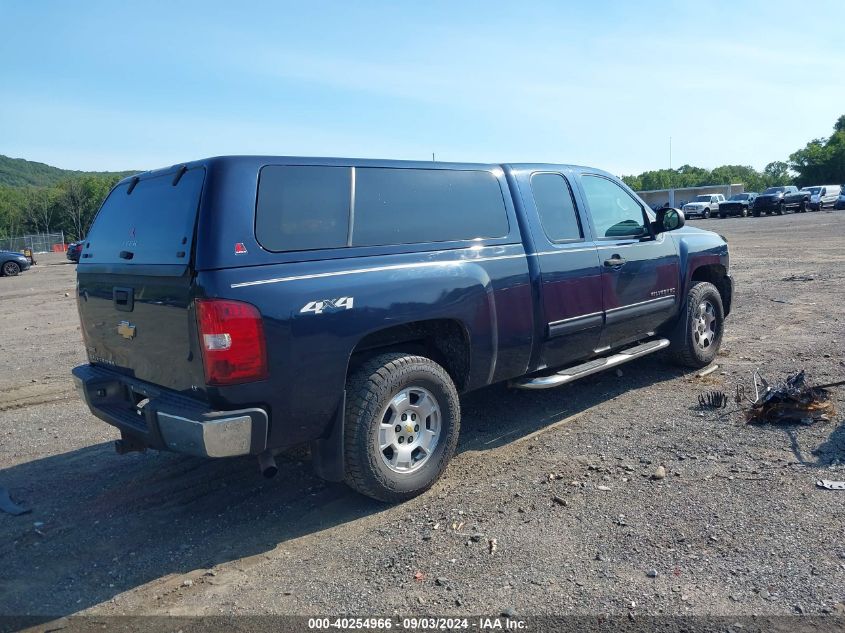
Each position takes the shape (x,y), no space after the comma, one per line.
(242,305)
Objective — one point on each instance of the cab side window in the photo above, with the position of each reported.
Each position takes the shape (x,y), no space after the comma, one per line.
(555,207)
(614,211)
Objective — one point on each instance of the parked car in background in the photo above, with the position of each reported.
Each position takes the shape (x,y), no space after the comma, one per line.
(74,250)
(12,263)
(703,206)
(780,200)
(840,201)
(737,204)
(823,196)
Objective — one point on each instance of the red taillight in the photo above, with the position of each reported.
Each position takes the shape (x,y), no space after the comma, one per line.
(232,341)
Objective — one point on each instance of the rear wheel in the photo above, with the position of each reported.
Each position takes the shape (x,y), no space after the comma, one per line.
(802,208)
(11,269)
(706,214)
(697,335)
(781,209)
(402,422)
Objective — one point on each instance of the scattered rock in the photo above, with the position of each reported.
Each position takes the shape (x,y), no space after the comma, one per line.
(188,583)
(603,488)
(492,544)
(441,581)
(560,501)
(659,473)
(508,613)
(651,573)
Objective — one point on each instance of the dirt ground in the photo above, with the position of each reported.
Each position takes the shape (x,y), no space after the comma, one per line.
(737,527)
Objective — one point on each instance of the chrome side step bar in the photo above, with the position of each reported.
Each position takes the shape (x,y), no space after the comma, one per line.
(591,367)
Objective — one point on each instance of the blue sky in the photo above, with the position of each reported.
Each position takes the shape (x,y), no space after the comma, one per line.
(109,85)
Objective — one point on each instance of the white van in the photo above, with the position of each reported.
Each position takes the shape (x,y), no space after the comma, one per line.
(823,196)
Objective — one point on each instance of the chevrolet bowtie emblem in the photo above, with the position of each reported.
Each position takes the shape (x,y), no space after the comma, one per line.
(126,329)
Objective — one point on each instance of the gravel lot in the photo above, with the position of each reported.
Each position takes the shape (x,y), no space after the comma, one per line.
(737,527)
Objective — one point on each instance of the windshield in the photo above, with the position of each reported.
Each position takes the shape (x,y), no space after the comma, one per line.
(812,190)
(702,198)
(739,196)
(774,190)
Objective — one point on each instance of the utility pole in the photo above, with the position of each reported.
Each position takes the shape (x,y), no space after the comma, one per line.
(432,157)
(671,191)
(670,153)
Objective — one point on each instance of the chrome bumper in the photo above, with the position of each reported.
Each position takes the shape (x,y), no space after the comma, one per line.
(166,420)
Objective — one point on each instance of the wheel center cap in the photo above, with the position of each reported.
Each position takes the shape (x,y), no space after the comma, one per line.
(409,428)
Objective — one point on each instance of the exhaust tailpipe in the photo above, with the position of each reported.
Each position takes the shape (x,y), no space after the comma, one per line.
(267,464)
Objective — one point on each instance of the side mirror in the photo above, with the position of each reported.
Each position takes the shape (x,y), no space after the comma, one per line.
(669,220)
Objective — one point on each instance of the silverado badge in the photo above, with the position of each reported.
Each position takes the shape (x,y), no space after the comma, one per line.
(126,329)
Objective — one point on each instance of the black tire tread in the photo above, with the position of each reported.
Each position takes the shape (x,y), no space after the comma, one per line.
(364,392)
(680,348)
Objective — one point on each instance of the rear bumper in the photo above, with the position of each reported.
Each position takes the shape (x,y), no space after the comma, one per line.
(168,420)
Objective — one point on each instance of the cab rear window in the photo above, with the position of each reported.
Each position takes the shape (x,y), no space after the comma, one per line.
(314,207)
(148,221)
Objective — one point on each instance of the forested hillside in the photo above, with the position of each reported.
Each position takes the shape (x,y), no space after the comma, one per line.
(19,172)
(36,198)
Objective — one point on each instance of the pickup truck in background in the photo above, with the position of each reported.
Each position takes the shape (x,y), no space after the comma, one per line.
(780,200)
(704,205)
(737,204)
(242,305)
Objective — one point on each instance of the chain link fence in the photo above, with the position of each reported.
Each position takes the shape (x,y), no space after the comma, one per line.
(38,243)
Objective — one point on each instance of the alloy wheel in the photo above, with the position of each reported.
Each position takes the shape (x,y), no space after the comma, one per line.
(409,430)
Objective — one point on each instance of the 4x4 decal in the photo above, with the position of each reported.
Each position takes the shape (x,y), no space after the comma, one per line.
(328,305)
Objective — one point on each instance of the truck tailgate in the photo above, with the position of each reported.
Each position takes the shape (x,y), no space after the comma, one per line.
(135,280)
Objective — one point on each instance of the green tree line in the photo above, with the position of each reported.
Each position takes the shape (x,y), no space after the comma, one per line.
(36,198)
(68,206)
(820,162)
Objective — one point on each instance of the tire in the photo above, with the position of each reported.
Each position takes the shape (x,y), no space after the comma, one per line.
(781,209)
(744,212)
(686,340)
(706,214)
(802,208)
(383,389)
(11,269)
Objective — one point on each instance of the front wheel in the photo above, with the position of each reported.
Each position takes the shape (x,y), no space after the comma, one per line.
(706,214)
(744,212)
(11,269)
(802,208)
(697,335)
(781,209)
(402,422)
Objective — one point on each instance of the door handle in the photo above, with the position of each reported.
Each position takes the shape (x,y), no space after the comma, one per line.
(615,262)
